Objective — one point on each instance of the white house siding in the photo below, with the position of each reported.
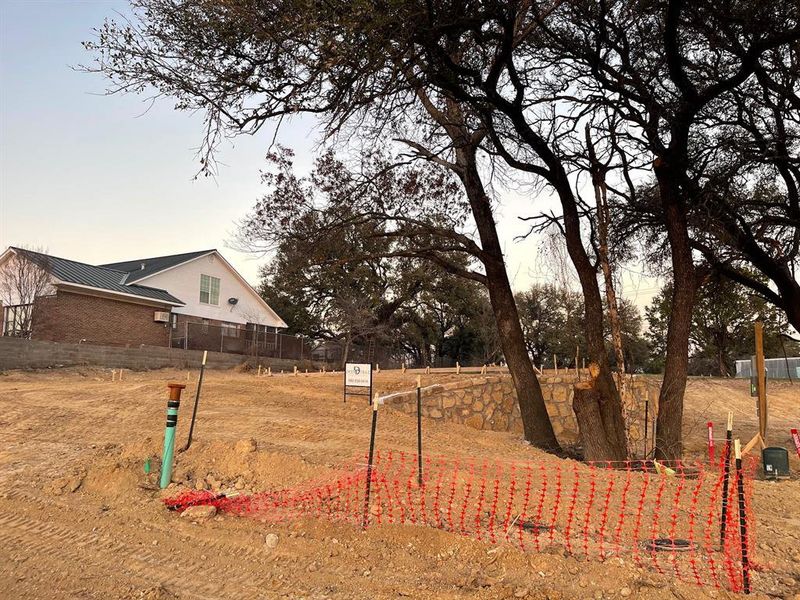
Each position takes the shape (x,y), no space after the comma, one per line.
(183,282)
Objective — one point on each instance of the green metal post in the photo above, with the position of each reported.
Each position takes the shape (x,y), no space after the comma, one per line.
(173,404)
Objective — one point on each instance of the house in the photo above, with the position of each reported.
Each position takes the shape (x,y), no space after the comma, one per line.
(195,300)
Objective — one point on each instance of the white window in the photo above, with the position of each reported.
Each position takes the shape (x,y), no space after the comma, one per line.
(230,330)
(209,290)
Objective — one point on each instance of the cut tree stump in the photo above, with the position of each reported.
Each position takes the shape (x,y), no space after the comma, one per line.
(586,404)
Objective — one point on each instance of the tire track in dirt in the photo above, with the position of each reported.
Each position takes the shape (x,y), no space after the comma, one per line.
(165,528)
(48,541)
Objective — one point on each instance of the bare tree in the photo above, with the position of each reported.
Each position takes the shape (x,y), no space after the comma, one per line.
(24,276)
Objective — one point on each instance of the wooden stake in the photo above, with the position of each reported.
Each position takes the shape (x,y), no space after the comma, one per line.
(458,368)
(113,374)
(761,381)
(555,363)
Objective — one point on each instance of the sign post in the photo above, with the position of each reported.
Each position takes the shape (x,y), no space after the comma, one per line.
(358,375)
(761,391)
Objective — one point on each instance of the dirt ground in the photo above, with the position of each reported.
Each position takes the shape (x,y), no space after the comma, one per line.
(80,519)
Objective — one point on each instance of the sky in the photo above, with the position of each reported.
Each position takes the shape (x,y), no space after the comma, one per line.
(100,179)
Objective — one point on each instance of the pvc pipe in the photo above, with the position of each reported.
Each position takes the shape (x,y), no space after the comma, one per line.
(173,404)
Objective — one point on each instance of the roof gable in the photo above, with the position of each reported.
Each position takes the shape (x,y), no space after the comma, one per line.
(192,256)
(144,267)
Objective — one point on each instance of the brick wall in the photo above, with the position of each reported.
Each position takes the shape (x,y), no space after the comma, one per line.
(70,317)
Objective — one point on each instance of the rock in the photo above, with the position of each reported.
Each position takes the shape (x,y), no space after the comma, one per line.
(239,484)
(271,541)
(625,592)
(73,484)
(199,484)
(199,513)
(246,446)
(475,421)
(521,592)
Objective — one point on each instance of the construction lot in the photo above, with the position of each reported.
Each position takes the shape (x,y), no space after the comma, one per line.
(80,519)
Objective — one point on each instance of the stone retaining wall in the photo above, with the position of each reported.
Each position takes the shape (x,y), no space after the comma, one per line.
(490,403)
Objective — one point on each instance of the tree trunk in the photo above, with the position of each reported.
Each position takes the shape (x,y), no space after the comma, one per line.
(723,367)
(346,352)
(603,221)
(587,403)
(612,420)
(669,423)
(535,421)
(537,428)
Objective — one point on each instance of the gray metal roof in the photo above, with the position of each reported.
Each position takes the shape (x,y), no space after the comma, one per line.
(141,268)
(102,278)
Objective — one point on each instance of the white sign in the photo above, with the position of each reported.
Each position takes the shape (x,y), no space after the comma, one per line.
(358,375)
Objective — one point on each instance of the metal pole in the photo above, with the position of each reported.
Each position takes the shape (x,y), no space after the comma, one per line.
(419,430)
(723,519)
(173,404)
(742,519)
(196,400)
(365,520)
